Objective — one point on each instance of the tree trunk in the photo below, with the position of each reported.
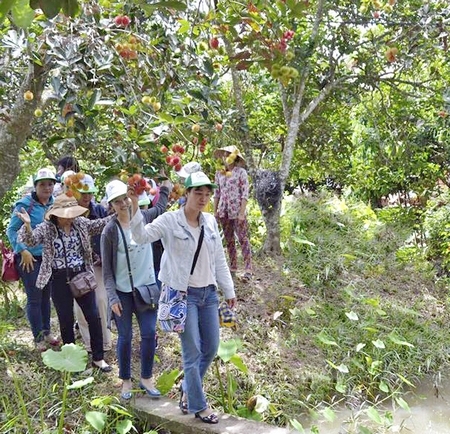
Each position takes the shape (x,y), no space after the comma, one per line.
(15,127)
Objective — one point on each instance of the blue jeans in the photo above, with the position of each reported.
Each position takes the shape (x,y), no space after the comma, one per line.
(63,302)
(147,327)
(38,300)
(199,342)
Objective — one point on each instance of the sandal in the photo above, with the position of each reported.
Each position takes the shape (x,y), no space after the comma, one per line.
(183,403)
(211,418)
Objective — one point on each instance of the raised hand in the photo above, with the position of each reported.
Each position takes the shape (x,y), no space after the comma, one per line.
(24,216)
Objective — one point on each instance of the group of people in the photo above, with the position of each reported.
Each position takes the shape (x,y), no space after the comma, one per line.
(56,237)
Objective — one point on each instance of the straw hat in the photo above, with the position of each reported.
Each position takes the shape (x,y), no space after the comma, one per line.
(65,207)
(227,150)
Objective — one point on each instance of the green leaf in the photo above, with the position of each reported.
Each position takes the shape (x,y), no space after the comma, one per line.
(22,14)
(340,387)
(197,94)
(167,379)
(405,380)
(399,340)
(384,387)
(237,361)
(70,8)
(71,358)
(124,426)
(329,414)
(353,316)
(299,240)
(359,347)
(94,99)
(373,413)
(50,8)
(402,403)
(297,425)
(5,7)
(227,349)
(185,25)
(343,368)
(325,339)
(81,383)
(379,344)
(97,419)
(166,117)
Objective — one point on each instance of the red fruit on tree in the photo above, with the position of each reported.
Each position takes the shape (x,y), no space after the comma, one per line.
(214,43)
(219,127)
(169,159)
(164,149)
(177,167)
(175,160)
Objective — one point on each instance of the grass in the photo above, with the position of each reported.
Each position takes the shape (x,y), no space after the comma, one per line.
(352,315)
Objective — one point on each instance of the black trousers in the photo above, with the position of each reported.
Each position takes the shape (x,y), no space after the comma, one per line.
(63,301)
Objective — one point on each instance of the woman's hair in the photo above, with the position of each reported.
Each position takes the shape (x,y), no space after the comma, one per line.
(53,219)
(68,163)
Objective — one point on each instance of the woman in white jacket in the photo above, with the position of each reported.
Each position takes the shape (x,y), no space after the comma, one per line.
(180,232)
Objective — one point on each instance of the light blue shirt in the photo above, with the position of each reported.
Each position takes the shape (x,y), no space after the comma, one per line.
(141,261)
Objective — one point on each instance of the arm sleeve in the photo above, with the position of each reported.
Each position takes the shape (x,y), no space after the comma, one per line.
(33,238)
(14,225)
(244,185)
(148,233)
(109,280)
(223,274)
(161,206)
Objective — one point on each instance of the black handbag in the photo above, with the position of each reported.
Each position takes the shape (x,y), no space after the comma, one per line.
(146,297)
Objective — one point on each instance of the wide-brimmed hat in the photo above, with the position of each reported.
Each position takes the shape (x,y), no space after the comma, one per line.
(88,185)
(44,174)
(65,207)
(227,150)
(115,189)
(188,169)
(198,179)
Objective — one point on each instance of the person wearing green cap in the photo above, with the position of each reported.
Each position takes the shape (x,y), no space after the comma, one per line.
(184,232)
(96,211)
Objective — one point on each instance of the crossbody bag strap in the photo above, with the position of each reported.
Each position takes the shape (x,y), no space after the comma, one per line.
(197,252)
(126,253)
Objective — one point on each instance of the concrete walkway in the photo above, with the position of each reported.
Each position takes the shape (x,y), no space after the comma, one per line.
(164,413)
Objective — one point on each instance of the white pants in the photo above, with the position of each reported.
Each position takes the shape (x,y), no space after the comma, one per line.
(101,299)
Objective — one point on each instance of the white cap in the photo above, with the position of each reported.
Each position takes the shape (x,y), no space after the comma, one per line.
(66,174)
(143,199)
(115,189)
(88,185)
(43,174)
(188,169)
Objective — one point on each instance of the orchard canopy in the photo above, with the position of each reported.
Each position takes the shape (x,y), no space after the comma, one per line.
(350,91)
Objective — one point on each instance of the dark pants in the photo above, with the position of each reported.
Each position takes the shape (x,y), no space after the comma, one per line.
(38,300)
(63,301)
